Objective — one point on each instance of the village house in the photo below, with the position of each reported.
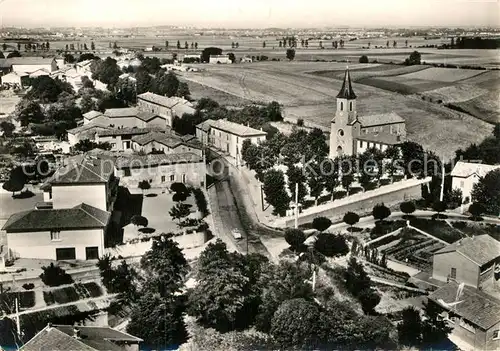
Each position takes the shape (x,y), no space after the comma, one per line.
(470,268)
(86,132)
(466,174)
(15,80)
(352,134)
(75,218)
(119,138)
(167,142)
(161,170)
(219,59)
(166,107)
(32,64)
(88,338)
(94,116)
(227,136)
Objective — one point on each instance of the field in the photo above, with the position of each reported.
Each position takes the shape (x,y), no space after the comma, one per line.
(310,95)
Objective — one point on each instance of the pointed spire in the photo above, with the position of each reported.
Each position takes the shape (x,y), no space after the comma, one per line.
(346,92)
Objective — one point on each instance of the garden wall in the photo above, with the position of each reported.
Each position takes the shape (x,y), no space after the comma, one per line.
(363,203)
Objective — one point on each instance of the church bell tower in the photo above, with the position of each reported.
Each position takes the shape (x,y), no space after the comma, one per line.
(341,138)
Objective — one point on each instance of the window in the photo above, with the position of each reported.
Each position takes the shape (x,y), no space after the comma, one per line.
(183,178)
(55,235)
(227,136)
(172,177)
(341,106)
(91,253)
(350,106)
(453,273)
(68,253)
(127,172)
(163,179)
(461,183)
(341,132)
(496,334)
(361,143)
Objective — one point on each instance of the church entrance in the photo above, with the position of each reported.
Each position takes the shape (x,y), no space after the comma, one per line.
(340,152)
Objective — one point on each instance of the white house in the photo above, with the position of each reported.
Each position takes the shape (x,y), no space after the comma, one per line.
(219,59)
(166,107)
(15,79)
(32,64)
(86,132)
(167,142)
(465,175)
(228,136)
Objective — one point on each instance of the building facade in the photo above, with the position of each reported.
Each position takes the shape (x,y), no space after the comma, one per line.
(219,59)
(466,174)
(352,134)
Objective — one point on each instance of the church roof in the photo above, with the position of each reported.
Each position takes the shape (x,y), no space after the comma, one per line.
(346,92)
(380,119)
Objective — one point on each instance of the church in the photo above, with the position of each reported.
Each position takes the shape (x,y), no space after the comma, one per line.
(351,134)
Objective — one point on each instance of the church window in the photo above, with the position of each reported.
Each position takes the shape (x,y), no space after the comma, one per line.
(341,132)
(361,143)
(350,106)
(341,106)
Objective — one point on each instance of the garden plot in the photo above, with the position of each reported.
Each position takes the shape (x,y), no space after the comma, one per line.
(447,75)
(455,93)
(438,229)
(410,247)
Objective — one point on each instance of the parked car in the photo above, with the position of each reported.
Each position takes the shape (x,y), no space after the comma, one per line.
(236,234)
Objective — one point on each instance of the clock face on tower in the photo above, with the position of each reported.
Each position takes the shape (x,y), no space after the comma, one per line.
(340,132)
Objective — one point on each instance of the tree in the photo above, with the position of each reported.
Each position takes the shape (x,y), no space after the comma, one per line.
(331,245)
(496,131)
(296,176)
(178,187)
(476,210)
(205,54)
(487,192)
(165,84)
(321,223)
(17,180)
(54,276)
(29,112)
(356,279)
(363,59)
(381,212)
(179,211)
(47,89)
(183,90)
(351,218)
(369,299)
(139,221)
(144,185)
(158,320)
(14,53)
(407,207)
(274,189)
(107,71)
(231,56)
(295,324)
(7,128)
(290,54)
(295,238)
(439,206)
(207,104)
(410,328)
(87,145)
(434,328)
(413,59)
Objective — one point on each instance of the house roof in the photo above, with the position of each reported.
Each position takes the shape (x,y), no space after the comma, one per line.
(466,169)
(121,112)
(89,126)
(480,249)
(92,114)
(14,74)
(60,337)
(346,92)
(166,139)
(383,138)
(88,170)
(477,306)
(181,109)
(138,161)
(377,120)
(33,60)
(5,63)
(147,116)
(206,125)
(123,131)
(232,128)
(82,216)
(163,100)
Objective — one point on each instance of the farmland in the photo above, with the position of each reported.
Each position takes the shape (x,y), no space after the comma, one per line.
(306,94)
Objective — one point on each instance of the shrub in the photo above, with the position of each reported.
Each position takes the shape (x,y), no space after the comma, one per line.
(369,299)
(363,59)
(351,218)
(54,276)
(321,223)
(28,286)
(476,210)
(144,185)
(179,197)
(300,122)
(295,238)
(381,212)
(179,188)
(201,201)
(407,207)
(139,221)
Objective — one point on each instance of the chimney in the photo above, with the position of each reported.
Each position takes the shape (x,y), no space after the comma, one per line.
(49,326)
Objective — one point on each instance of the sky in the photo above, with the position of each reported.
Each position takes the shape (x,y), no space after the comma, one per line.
(249,13)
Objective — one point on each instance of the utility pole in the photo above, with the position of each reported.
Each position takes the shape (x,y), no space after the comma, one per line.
(262,197)
(18,324)
(296,205)
(441,196)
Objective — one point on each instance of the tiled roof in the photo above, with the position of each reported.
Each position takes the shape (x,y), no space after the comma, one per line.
(30,60)
(346,92)
(123,131)
(92,114)
(383,138)
(181,109)
(166,139)
(477,306)
(82,216)
(466,169)
(60,337)
(137,161)
(480,249)
(376,120)
(121,112)
(206,125)
(233,128)
(94,125)
(147,116)
(90,169)
(169,102)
